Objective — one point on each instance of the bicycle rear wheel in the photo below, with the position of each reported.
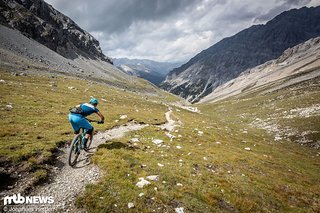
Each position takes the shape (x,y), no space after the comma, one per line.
(74,150)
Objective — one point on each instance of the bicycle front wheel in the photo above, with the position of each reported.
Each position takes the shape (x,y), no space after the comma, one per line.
(89,142)
(74,150)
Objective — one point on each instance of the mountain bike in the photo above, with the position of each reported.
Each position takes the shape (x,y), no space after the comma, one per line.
(77,145)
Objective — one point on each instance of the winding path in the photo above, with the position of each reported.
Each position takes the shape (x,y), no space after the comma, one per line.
(68,182)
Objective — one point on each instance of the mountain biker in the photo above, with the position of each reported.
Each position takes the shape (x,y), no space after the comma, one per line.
(77,117)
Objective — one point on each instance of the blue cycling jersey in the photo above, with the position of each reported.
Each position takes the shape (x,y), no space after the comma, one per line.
(88,109)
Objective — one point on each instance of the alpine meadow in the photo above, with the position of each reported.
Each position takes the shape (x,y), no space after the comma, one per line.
(232,127)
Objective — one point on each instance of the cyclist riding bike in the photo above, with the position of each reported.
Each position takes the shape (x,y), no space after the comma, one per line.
(78,114)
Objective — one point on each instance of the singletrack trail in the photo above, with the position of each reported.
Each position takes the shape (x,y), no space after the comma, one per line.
(67,182)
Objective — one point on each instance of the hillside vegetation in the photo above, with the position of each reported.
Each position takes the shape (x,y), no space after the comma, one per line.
(216,160)
(34,115)
(220,160)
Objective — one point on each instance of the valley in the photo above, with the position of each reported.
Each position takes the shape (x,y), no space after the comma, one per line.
(203,164)
(239,132)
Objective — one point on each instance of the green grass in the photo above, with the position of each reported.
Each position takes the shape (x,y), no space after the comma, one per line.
(273,176)
(215,170)
(38,121)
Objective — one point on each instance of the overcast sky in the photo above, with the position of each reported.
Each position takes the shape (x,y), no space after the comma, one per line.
(168,30)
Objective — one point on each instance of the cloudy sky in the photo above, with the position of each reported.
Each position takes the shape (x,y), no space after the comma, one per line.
(168,30)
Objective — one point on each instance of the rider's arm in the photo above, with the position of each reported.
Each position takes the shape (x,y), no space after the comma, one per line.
(101,116)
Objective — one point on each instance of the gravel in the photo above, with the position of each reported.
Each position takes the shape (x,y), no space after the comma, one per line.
(68,182)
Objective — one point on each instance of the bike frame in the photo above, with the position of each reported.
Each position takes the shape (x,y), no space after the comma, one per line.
(77,144)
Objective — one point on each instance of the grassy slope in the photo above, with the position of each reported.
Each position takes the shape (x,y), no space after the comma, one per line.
(38,121)
(273,176)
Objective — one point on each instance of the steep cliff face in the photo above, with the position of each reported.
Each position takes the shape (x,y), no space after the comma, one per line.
(297,64)
(40,21)
(253,46)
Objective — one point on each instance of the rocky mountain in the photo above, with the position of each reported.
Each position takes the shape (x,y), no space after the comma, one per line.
(153,71)
(36,38)
(231,56)
(40,21)
(297,64)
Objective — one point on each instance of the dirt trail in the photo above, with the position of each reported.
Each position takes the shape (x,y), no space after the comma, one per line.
(170,124)
(68,182)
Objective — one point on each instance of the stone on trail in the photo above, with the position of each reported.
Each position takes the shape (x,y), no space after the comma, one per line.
(248,148)
(178,147)
(161,165)
(142,183)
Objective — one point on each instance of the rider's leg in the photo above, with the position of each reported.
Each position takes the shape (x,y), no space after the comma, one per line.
(89,129)
(74,123)
(89,133)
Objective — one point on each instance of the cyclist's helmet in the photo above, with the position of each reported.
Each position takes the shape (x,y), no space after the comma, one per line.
(94,101)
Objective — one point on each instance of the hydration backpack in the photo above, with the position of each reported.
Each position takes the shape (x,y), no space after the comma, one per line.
(76,110)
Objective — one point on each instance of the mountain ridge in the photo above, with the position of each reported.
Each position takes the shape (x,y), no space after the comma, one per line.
(250,47)
(40,21)
(296,64)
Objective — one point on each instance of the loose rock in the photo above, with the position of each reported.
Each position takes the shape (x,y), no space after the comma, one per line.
(179,210)
(157,141)
(130,205)
(123,117)
(153,177)
(9,107)
(142,183)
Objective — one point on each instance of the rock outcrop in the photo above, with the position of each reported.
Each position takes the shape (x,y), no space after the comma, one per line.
(297,64)
(40,21)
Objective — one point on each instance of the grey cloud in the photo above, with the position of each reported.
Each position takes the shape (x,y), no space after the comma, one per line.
(286,5)
(115,16)
(167,30)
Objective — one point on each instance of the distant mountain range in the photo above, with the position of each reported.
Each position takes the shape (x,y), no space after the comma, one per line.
(231,56)
(153,71)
